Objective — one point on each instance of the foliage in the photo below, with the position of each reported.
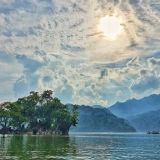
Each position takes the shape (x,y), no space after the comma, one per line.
(37,112)
(100,120)
(10,116)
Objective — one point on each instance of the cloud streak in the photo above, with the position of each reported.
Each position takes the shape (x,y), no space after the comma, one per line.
(56,45)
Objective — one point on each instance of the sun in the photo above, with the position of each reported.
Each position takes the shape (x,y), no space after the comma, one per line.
(110,26)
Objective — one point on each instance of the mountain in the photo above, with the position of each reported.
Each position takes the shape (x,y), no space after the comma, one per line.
(98,106)
(101,107)
(135,107)
(93,119)
(149,121)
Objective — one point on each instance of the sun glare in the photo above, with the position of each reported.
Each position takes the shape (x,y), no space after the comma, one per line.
(110,26)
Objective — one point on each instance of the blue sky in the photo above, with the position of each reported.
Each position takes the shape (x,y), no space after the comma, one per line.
(52,44)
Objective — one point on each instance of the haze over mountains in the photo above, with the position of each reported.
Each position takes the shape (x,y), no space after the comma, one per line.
(100,119)
(142,114)
(146,121)
(134,107)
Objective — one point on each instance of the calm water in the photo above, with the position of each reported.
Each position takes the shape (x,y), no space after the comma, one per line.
(90,146)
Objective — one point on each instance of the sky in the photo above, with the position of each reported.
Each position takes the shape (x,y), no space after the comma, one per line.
(57,45)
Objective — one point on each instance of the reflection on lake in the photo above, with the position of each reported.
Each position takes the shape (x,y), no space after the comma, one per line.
(95,146)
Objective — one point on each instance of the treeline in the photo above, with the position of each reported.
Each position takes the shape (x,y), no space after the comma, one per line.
(37,113)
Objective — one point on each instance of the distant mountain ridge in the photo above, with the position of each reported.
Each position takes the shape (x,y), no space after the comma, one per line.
(101,107)
(100,119)
(135,107)
(142,114)
(149,121)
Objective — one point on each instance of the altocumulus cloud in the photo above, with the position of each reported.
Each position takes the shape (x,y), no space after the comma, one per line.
(154,63)
(146,83)
(47,44)
(29,80)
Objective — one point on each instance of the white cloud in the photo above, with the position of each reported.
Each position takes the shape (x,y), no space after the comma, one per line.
(145,84)
(70,47)
(154,63)
(66,24)
(119,93)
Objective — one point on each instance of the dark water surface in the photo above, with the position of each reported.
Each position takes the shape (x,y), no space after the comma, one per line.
(89,146)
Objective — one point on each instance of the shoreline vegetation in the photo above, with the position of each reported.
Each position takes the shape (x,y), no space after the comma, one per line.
(37,114)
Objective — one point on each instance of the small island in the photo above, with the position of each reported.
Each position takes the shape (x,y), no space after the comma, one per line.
(37,114)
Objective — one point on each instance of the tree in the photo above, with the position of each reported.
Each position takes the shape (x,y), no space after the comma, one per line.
(29,107)
(56,116)
(10,117)
(46,96)
(40,111)
(74,115)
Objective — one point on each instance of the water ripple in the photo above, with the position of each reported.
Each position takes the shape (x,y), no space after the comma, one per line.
(81,147)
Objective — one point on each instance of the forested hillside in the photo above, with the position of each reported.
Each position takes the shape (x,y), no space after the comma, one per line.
(149,121)
(100,120)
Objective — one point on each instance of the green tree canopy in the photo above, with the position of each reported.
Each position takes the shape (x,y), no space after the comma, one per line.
(40,111)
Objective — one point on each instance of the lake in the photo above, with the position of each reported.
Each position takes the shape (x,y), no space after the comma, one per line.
(81,146)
